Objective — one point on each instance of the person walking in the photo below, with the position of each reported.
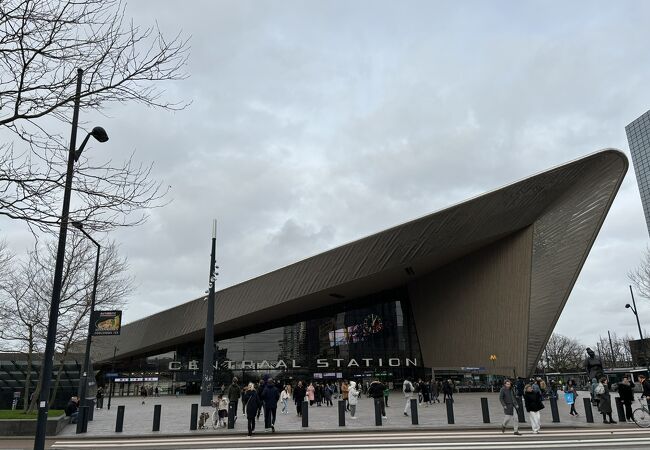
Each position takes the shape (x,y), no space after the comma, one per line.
(100,397)
(448,391)
(407,389)
(270,397)
(353,399)
(376,391)
(507,400)
(310,394)
(284,397)
(299,396)
(386,392)
(626,392)
(533,402)
(344,394)
(604,400)
(327,394)
(260,388)
(143,393)
(234,392)
(645,386)
(570,396)
(252,401)
(435,391)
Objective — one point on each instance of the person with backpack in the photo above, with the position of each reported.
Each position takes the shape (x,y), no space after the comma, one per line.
(407,389)
(604,400)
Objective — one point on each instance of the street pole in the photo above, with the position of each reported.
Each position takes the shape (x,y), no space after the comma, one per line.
(48,356)
(208,344)
(83,380)
(110,390)
(638,324)
(611,348)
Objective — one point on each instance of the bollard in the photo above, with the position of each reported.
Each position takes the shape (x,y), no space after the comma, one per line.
(82,419)
(119,423)
(450,412)
(554,411)
(485,409)
(520,410)
(341,413)
(232,414)
(619,409)
(91,409)
(305,414)
(589,414)
(194,416)
(377,412)
(414,412)
(156,417)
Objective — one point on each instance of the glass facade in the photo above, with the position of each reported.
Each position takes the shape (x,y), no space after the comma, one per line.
(638,137)
(368,337)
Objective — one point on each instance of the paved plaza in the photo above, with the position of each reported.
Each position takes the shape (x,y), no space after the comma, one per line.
(175,417)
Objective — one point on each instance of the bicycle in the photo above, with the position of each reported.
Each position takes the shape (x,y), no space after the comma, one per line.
(641,416)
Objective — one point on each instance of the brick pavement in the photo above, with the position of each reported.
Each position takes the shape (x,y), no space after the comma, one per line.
(175,417)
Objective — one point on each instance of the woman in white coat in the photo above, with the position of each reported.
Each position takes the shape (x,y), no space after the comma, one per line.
(407,389)
(353,399)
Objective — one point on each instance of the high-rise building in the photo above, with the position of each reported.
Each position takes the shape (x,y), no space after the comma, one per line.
(638,136)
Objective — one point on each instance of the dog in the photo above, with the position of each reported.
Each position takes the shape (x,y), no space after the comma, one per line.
(203,418)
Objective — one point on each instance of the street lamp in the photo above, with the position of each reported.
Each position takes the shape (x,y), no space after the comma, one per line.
(83,379)
(48,355)
(638,324)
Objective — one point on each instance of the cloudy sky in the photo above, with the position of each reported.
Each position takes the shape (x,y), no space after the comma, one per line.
(316,123)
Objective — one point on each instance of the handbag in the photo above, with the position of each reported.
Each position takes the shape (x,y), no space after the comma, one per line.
(569,398)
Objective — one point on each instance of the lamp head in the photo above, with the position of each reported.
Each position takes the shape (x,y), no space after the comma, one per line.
(627,305)
(100,134)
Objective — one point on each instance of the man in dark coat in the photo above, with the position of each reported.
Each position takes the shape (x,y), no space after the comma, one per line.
(533,402)
(376,391)
(626,392)
(253,402)
(270,397)
(72,409)
(233,395)
(507,399)
(298,397)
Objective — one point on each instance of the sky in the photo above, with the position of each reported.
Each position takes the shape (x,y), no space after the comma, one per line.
(315,123)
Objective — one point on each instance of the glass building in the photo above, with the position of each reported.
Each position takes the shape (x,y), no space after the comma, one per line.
(638,137)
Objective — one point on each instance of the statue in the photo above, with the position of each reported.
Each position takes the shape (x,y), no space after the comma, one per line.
(593,365)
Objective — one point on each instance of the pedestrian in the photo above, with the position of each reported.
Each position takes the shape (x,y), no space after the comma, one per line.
(143,393)
(284,397)
(310,393)
(233,395)
(156,392)
(318,394)
(645,385)
(72,410)
(533,402)
(435,391)
(253,402)
(376,391)
(327,393)
(100,397)
(592,391)
(299,394)
(344,393)
(386,392)
(604,400)
(418,390)
(507,399)
(260,389)
(626,393)
(407,389)
(222,410)
(353,399)
(520,388)
(570,396)
(426,394)
(448,391)
(270,397)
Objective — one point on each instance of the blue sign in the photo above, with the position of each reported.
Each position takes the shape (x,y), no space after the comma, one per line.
(112,375)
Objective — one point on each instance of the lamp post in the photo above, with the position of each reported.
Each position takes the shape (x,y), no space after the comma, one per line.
(208,344)
(48,355)
(83,379)
(638,324)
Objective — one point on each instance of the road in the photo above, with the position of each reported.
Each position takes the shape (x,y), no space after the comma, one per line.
(601,438)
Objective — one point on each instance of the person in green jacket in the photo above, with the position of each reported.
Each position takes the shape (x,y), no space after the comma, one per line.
(386,392)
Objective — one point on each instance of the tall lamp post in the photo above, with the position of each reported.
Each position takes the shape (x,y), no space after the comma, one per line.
(208,344)
(83,379)
(48,356)
(638,324)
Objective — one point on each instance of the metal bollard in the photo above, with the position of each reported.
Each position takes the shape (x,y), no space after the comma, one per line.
(450,412)
(341,413)
(91,409)
(119,423)
(82,420)
(194,416)
(554,411)
(414,412)
(305,414)
(520,410)
(589,414)
(232,414)
(377,412)
(619,409)
(156,417)
(485,409)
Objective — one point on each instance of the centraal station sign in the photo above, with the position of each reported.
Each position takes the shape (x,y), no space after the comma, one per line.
(321,363)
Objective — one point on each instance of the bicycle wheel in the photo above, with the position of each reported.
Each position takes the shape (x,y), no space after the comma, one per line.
(641,417)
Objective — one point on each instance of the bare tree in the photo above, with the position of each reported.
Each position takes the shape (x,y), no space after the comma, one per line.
(42,44)
(640,276)
(30,292)
(562,354)
(615,353)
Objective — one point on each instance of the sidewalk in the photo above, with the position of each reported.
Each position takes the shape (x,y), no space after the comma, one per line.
(175,417)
